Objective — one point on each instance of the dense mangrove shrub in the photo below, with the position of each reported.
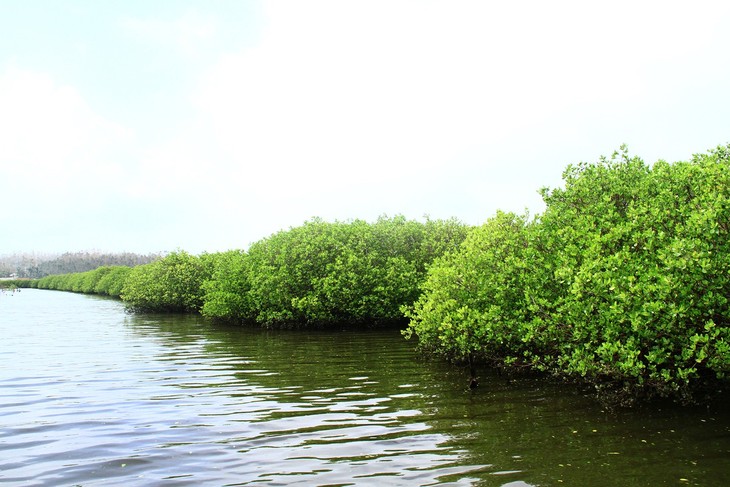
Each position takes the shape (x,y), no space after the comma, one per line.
(8,284)
(646,260)
(170,284)
(13,284)
(324,272)
(226,294)
(623,281)
(474,305)
(60,282)
(112,281)
(107,280)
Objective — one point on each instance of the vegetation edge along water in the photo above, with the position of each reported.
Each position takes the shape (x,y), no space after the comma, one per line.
(622,282)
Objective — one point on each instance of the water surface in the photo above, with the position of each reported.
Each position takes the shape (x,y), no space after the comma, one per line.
(92,396)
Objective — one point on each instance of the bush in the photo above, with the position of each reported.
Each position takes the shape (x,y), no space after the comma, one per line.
(226,293)
(645,258)
(112,281)
(170,284)
(323,273)
(473,304)
(622,282)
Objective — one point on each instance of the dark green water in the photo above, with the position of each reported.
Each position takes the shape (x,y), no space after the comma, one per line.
(92,396)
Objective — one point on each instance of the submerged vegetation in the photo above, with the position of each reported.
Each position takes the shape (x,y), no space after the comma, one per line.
(622,282)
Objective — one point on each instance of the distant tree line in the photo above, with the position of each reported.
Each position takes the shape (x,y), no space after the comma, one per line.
(34,266)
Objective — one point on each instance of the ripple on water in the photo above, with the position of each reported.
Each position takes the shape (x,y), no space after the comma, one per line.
(139,408)
(97,397)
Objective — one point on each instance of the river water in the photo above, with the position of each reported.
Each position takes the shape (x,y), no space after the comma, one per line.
(93,396)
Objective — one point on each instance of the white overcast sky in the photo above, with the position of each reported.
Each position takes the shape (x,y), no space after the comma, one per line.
(155,125)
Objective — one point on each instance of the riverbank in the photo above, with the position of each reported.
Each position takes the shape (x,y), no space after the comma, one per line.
(622,283)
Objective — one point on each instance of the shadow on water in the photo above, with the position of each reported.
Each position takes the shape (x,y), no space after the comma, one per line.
(320,385)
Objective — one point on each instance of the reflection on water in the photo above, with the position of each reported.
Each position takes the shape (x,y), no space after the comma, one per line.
(90,395)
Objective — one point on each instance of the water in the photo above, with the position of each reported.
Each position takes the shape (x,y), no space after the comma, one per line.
(92,396)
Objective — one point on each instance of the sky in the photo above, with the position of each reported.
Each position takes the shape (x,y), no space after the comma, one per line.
(152,126)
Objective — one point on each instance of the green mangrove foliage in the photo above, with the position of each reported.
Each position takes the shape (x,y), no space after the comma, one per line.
(12,284)
(171,284)
(322,272)
(226,296)
(623,281)
(106,280)
(473,305)
(318,273)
